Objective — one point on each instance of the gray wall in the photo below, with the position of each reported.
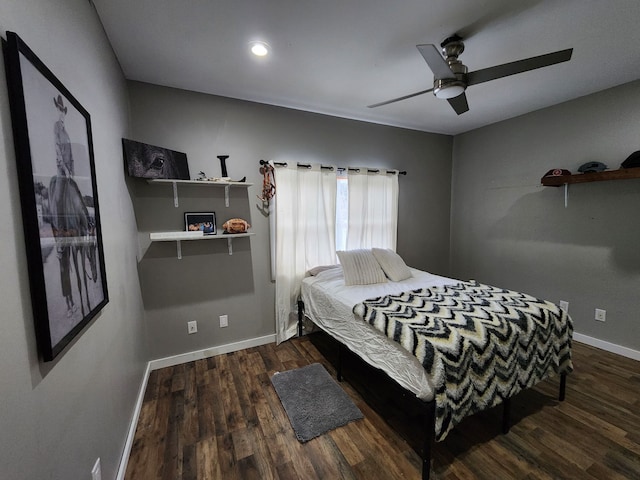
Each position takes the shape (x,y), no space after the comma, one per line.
(57,418)
(508,230)
(208,282)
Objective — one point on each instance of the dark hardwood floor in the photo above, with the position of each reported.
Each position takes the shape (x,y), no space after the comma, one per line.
(220,418)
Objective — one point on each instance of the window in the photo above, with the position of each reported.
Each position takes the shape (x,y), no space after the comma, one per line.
(319,212)
(373,205)
(372,198)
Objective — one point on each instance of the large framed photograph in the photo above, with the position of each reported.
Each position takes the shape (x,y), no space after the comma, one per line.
(59,200)
(204,222)
(150,161)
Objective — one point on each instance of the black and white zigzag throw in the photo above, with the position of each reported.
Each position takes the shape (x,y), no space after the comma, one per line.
(480,344)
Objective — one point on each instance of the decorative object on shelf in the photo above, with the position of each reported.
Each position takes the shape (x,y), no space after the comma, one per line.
(202,176)
(204,222)
(268,183)
(225,175)
(632,161)
(223,165)
(592,167)
(556,172)
(60,212)
(220,179)
(236,225)
(150,161)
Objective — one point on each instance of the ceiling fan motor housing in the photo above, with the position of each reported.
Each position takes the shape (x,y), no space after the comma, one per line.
(452,87)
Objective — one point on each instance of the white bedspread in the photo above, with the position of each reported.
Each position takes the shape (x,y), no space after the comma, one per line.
(329,304)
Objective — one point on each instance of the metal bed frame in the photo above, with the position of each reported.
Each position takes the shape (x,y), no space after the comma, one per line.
(428,408)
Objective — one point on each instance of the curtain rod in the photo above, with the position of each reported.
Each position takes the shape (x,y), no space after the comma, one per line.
(324,167)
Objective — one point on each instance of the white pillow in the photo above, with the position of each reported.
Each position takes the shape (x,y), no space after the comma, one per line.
(392,264)
(360,267)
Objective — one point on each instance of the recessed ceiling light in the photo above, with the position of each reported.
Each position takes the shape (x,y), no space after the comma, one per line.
(259,49)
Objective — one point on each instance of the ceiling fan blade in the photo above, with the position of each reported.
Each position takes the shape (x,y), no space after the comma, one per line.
(459,103)
(436,62)
(520,66)
(399,98)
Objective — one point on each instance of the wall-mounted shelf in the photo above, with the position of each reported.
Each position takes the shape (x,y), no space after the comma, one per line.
(179,237)
(620,174)
(566,180)
(201,183)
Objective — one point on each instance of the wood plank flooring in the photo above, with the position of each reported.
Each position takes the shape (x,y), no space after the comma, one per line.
(220,418)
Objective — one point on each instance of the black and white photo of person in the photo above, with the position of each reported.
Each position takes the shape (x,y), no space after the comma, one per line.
(62,231)
(61,169)
(59,200)
(64,155)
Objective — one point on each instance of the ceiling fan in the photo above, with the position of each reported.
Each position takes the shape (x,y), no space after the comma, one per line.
(451,79)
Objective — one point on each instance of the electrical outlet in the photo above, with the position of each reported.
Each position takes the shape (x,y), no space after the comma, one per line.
(192,327)
(96,473)
(564,306)
(224,321)
(601,315)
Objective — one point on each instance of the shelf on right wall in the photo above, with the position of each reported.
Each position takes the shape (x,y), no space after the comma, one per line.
(621,174)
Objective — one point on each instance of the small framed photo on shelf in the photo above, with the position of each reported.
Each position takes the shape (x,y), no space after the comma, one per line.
(204,222)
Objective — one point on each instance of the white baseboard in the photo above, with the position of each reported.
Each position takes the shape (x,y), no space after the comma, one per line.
(608,346)
(122,468)
(177,360)
(210,352)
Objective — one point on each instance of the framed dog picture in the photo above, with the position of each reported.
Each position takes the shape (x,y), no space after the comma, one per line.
(59,200)
(204,222)
(149,161)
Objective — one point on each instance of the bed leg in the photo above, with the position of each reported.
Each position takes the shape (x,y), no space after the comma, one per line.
(563,386)
(300,316)
(430,414)
(339,366)
(506,415)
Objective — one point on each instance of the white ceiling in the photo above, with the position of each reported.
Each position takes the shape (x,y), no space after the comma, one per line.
(338,56)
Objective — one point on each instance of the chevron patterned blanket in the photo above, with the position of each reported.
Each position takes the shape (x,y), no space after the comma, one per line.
(479,344)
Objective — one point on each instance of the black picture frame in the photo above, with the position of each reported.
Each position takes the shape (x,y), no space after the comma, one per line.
(200,221)
(59,200)
(150,161)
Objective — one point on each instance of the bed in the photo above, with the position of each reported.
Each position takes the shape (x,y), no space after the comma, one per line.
(459,347)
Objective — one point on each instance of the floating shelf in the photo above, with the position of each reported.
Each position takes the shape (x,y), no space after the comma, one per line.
(178,237)
(560,180)
(620,174)
(201,183)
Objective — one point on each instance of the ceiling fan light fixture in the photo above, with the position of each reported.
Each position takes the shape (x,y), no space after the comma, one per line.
(448,88)
(260,49)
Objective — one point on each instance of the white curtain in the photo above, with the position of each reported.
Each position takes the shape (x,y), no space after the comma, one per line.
(305,235)
(373,209)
